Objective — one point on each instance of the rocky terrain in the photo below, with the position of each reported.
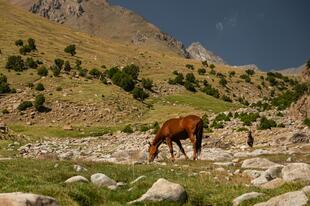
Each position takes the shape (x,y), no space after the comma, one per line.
(197,51)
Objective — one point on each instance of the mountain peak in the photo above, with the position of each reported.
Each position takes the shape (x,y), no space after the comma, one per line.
(199,52)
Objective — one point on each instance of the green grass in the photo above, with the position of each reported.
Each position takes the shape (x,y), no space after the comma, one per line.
(41,177)
(202,102)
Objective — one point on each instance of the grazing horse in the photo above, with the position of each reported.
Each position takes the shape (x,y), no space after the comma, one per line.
(174,130)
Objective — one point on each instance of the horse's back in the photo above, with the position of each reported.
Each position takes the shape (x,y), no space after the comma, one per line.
(178,125)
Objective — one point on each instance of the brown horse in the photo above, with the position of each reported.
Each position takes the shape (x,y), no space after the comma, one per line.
(174,130)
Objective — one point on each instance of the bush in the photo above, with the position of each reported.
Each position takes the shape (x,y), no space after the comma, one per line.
(248,118)
(132,70)
(16,63)
(217,125)
(24,50)
(19,42)
(266,123)
(212,72)
(232,73)
(209,90)
(202,71)
(95,73)
(190,77)
(42,71)
(250,72)
(139,94)
(110,72)
(205,63)
(4,86)
(147,84)
(179,79)
(128,129)
(32,44)
(124,81)
(39,87)
(223,82)
(190,66)
(67,66)
(242,129)
(59,63)
(189,86)
(56,70)
(24,105)
(307,122)
(222,117)
(226,98)
(246,78)
(83,72)
(70,49)
(212,66)
(30,63)
(205,121)
(39,101)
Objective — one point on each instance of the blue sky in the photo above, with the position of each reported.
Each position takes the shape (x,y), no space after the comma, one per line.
(269,33)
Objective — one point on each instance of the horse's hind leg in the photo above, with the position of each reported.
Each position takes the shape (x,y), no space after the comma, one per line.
(181,148)
(169,143)
(193,140)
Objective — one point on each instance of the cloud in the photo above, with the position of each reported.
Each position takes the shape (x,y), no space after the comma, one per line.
(219,26)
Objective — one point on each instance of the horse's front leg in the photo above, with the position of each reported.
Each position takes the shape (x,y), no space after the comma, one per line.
(193,140)
(169,143)
(181,148)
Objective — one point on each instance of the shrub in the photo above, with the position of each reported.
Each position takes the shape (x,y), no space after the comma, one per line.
(19,42)
(56,70)
(217,125)
(212,66)
(30,63)
(205,121)
(58,89)
(271,80)
(70,49)
(124,81)
(175,72)
(16,63)
(212,72)
(39,87)
(223,82)
(128,129)
(95,73)
(42,71)
(67,66)
(248,118)
(222,117)
(250,72)
(156,127)
(4,86)
(189,86)
(190,66)
(242,129)
(209,90)
(32,44)
(103,79)
(190,77)
(232,73)
(245,77)
(202,71)
(39,101)
(24,105)
(24,50)
(132,70)
(147,84)
(5,111)
(59,63)
(179,79)
(205,63)
(139,94)
(226,98)
(83,72)
(307,122)
(266,123)
(30,85)
(110,72)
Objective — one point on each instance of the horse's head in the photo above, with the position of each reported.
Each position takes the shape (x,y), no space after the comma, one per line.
(153,152)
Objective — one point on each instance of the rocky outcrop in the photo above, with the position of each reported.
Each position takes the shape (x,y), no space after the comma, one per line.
(301,109)
(297,198)
(296,171)
(199,52)
(258,163)
(26,199)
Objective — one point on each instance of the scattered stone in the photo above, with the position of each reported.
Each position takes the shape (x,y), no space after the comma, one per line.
(260,180)
(298,138)
(252,173)
(275,183)
(163,189)
(26,199)
(216,154)
(76,179)
(247,196)
(306,190)
(137,179)
(258,163)
(297,198)
(79,168)
(101,180)
(289,159)
(296,171)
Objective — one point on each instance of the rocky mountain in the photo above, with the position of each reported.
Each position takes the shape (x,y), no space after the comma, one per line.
(100,18)
(197,51)
(248,66)
(291,71)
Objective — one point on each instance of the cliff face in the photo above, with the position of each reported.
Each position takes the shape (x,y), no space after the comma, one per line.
(100,18)
(197,51)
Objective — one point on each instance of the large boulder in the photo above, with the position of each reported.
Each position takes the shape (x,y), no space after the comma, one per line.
(297,198)
(275,183)
(296,171)
(258,163)
(26,199)
(216,154)
(162,190)
(247,196)
(101,180)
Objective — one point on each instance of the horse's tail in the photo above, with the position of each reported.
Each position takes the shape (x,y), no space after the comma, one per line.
(199,133)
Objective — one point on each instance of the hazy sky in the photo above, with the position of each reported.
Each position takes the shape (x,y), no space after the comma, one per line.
(269,33)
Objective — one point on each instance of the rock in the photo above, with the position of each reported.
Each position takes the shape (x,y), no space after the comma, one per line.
(220,169)
(299,138)
(65,156)
(26,199)
(296,171)
(306,190)
(137,179)
(161,190)
(254,153)
(274,171)
(76,179)
(297,198)
(68,127)
(246,196)
(260,180)
(258,163)
(216,154)
(79,168)
(101,180)
(252,173)
(275,183)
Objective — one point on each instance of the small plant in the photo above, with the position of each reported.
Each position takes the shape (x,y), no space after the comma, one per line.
(42,71)
(83,72)
(266,123)
(139,94)
(24,105)
(59,63)
(5,111)
(30,63)
(128,129)
(250,72)
(147,84)
(189,86)
(212,72)
(307,122)
(132,70)
(190,77)
(190,66)
(205,63)
(32,44)
(15,63)
(95,73)
(39,101)
(4,86)
(223,82)
(156,127)
(70,49)
(212,66)
(246,78)
(19,42)
(39,87)
(248,118)
(179,79)
(67,66)
(232,74)
(202,71)
(226,98)
(56,70)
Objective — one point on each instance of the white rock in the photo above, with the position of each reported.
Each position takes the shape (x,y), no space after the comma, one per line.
(296,171)
(101,180)
(247,196)
(274,171)
(258,163)
(306,190)
(76,179)
(253,174)
(297,198)
(275,183)
(161,190)
(26,199)
(216,154)
(79,168)
(137,179)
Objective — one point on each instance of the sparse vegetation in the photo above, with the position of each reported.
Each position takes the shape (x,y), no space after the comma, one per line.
(39,87)
(189,86)
(190,66)
(246,78)
(4,86)
(30,63)
(95,73)
(123,80)
(179,79)
(132,70)
(19,42)
(250,72)
(202,71)
(15,63)
(24,105)
(223,81)
(39,101)
(128,129)
(56,70)
(139,94)
(70,49)
(209,90)
(266,123)
(248,118)
(307,122)
(212,66)
(42,71)
(226,98)
(205,120)
(147,83)
(205,63)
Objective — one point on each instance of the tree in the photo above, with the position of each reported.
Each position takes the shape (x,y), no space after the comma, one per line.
(139,94)
(16,63)
(56,70)
(189,86)
(42,71)
(70,49)
(205,63)
(250,72)
(39,101)
(124,81)
(4,86)
(19,42)
(110,72)
(212,66)
(132,70)
(147,83)
(32,44)
(202,71)
(190,77)
(95,73)
(59,63)
(39,87)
